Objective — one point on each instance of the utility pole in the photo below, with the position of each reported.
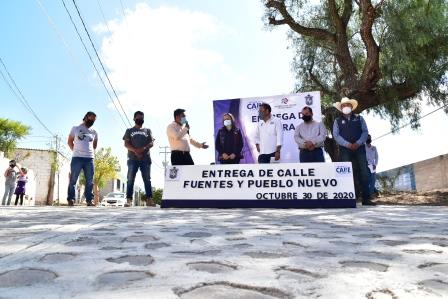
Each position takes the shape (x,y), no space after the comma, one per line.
(166,152)
(58,144)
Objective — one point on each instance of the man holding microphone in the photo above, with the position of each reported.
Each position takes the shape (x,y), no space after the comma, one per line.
(178,133)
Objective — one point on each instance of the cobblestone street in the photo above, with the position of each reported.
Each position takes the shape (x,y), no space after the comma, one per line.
(379,252)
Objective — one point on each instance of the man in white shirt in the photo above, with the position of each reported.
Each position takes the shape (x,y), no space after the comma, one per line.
(372,162)
(178,133)
(310,136)
(269,135)
(82,141)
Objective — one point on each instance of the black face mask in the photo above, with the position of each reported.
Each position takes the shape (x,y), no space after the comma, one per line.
(139,121)
(89,123)
(307,118)
(369,141)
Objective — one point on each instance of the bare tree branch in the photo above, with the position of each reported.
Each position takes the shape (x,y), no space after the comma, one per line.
(316,33)
(371,72)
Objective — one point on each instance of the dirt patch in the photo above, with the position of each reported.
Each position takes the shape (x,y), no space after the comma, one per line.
(431,198)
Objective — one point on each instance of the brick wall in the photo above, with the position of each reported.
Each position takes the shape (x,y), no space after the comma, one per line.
(432,173)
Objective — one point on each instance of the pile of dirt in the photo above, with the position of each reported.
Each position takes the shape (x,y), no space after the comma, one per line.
(432,198)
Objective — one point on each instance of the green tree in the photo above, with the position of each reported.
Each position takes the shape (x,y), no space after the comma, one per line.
(107,168)
(10,132)
(157,195)
(391,56)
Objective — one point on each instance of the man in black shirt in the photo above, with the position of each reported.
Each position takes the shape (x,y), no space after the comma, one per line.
(138,141)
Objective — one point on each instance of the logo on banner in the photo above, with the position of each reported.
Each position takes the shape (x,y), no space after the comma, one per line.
(253,105)
(309,100)
(285,101)
(173,174)
(343,170)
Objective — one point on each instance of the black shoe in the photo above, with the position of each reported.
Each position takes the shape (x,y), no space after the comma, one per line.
(71,202)
(90,204)
(368,203)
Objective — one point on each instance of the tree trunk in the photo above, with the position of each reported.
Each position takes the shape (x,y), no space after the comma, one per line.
(96,192)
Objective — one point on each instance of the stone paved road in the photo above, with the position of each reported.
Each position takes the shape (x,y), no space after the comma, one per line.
(379,252)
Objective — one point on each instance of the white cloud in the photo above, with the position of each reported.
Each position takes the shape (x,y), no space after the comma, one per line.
(154,58)
(162,58)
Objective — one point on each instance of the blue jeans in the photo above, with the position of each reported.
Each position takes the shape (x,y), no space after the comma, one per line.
(265,158)
(9,191)
(372,182)
(145,169)
(87,166)
(316,155)
(360,169)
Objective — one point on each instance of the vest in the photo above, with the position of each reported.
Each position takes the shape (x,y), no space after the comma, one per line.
(350,129)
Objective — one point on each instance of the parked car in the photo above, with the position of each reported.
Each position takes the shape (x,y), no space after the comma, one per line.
(114,199)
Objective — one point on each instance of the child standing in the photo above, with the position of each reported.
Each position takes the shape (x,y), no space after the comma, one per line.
(21,182)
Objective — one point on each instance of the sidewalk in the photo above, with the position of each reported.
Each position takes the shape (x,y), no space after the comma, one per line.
(378,252)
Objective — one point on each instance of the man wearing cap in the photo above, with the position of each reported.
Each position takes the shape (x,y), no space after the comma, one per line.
(350,132)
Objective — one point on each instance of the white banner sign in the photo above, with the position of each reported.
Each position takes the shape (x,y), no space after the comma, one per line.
(286,181)
(284,107)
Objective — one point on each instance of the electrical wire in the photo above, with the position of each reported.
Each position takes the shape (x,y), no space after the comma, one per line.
(100,61)
(93,63)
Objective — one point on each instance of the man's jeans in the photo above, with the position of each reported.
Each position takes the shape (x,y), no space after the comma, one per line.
(145,169)
(314,156)
(360,169)
(9,191)
(265,158)
(86,165)
(372,182)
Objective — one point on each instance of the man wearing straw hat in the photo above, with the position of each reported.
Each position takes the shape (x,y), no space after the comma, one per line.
(350,132)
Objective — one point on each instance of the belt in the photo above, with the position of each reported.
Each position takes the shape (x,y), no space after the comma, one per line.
(180,152)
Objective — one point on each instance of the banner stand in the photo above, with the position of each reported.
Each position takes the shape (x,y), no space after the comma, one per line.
(260,204)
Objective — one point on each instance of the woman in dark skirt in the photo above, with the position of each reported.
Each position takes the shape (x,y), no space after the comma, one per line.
(229,141)
(20,189)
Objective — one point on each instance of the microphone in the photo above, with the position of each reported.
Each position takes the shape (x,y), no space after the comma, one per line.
(187,125)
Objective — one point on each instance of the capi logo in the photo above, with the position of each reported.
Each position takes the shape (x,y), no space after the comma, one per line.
(253,105)
(343,170)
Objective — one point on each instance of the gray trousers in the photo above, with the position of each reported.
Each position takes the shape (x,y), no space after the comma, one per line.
(9,191)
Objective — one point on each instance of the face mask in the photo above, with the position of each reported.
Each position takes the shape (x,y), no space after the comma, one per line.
(11,165)
(89,123)
(346,110)
(369,141)
(307,118)
(227,123)
(183,120)
(139,121)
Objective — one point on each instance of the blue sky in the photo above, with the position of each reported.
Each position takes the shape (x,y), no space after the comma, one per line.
(162,55)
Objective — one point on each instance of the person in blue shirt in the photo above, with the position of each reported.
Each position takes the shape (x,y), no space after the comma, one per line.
(350,132)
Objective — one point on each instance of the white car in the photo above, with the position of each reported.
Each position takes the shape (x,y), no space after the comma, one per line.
(114,199)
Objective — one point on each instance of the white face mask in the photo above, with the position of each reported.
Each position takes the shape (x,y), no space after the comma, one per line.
(227,122)
(346,110)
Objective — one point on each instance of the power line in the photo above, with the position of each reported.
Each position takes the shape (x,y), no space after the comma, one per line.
(104,17)
(101,63)
(93,63)
(61,37)
(22,98)
(409,123)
